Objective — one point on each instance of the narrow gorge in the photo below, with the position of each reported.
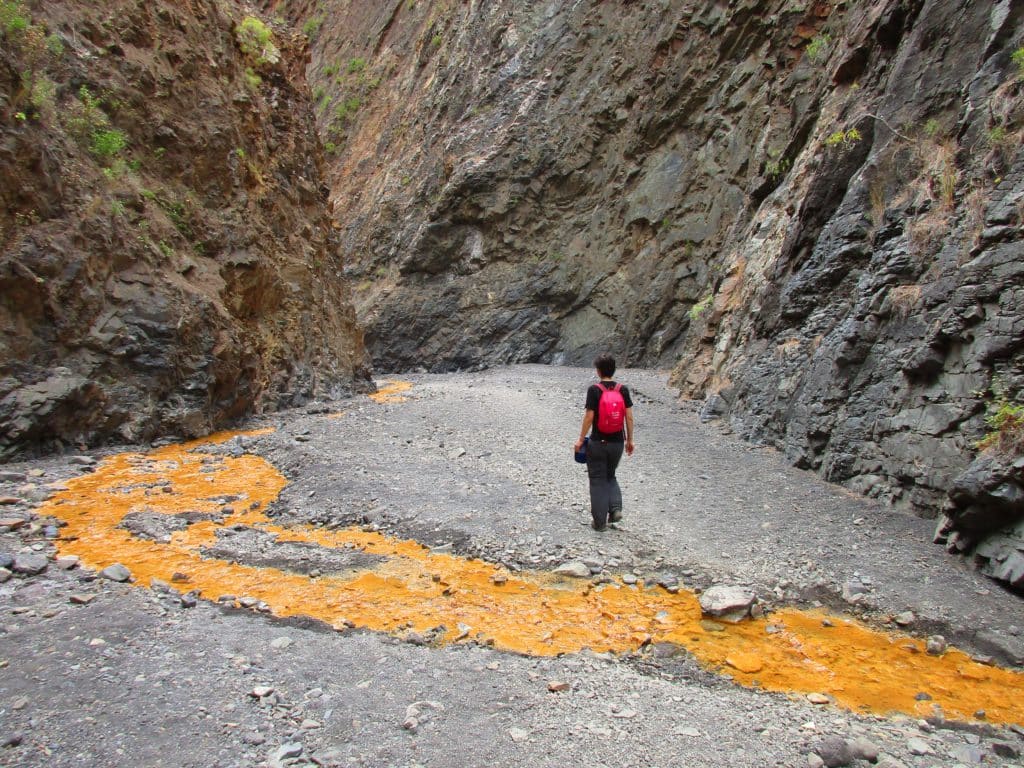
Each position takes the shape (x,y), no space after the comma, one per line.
(809,211)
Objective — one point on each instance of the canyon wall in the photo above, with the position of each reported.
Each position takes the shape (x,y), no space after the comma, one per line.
(166,256)
(809,210)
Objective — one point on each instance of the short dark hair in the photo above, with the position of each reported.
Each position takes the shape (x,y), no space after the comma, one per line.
(605,365)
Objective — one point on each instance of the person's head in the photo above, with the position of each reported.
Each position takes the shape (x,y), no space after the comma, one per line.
(605,365)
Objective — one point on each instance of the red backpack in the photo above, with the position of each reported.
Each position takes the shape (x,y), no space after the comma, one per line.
(611,410)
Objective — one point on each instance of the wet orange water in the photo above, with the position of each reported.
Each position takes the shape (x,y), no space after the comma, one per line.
(535,613)
(392,393)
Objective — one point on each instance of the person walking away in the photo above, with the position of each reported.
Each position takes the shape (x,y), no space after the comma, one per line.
(608,417)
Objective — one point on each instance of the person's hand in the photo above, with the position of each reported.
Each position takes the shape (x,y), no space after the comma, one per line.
(629,447)
(577,445)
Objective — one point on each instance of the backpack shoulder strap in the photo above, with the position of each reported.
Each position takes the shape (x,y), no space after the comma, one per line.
(618,387)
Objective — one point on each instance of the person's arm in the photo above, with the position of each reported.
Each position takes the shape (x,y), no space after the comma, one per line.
(588,422)
(629,432)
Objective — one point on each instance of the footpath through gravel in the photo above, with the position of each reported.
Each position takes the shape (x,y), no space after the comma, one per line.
(99,673)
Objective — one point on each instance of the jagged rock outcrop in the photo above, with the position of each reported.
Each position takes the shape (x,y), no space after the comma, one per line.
(811,209)
(165,254)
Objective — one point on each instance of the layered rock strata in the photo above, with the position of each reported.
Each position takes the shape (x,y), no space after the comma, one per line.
(166,261)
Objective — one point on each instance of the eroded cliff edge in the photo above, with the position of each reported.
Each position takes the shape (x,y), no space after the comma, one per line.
(810,209)
(165,252)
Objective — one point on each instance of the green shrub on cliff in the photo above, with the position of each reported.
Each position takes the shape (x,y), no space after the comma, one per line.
(1006,420)
(701,307)
(843,138)
(818,47)
(1018,58)
(13,18)
(312,26)
(257,41)
(107,142)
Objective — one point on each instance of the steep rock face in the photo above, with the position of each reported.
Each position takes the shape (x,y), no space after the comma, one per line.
(165,255)
(811,209)
(871,308)
(521,181)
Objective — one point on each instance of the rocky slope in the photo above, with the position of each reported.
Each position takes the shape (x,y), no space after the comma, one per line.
(811,209)
(165,255)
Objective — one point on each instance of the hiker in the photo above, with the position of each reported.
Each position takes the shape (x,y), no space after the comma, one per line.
(609,419)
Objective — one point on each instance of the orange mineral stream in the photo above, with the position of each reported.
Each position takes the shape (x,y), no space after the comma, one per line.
(534,613)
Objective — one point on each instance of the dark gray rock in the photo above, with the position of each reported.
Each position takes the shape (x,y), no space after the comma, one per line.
(1006,750)
(29,564)
(834,751)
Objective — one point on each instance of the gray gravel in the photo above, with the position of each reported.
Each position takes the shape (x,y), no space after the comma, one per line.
(99,673)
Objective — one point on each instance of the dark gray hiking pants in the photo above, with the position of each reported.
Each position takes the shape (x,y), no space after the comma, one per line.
(605,495)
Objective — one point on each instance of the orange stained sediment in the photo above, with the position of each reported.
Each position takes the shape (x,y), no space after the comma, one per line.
(392,393)
(414,589)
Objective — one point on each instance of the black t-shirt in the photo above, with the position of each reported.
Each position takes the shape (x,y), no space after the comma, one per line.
(593,398)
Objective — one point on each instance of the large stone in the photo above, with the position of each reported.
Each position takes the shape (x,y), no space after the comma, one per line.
(116,572)
(834,751)
(727,603)
(575,568)
(29,564)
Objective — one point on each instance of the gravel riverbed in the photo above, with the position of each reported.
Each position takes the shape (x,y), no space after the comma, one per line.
(94,672)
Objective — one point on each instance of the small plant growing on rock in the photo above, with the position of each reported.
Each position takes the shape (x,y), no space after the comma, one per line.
(13,19)
(257,41)
(702,306)
(1017,57)
(844,139)
(817,49)
(312,26)
(1006,421)
(776,167)
(252,80)
(356,65)
(107,142)
(347,109)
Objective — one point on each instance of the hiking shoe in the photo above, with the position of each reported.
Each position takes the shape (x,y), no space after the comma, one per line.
(599,528)
(615,516)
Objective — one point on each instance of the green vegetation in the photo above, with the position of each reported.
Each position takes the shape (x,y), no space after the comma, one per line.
(932,128)
(1006,421)
(41,90)
(330,70)
(356,65)
(817,49)
(13,18)
(999,138)
(107,142)
(252,80)
(312,26)
(701,307)
(347,109)
(257,41)
(436,41)
(87,115)
(776,166)
(117,208)
(1017,57)
(844,139)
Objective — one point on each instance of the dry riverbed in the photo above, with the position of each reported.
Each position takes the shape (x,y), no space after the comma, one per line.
(279,612)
